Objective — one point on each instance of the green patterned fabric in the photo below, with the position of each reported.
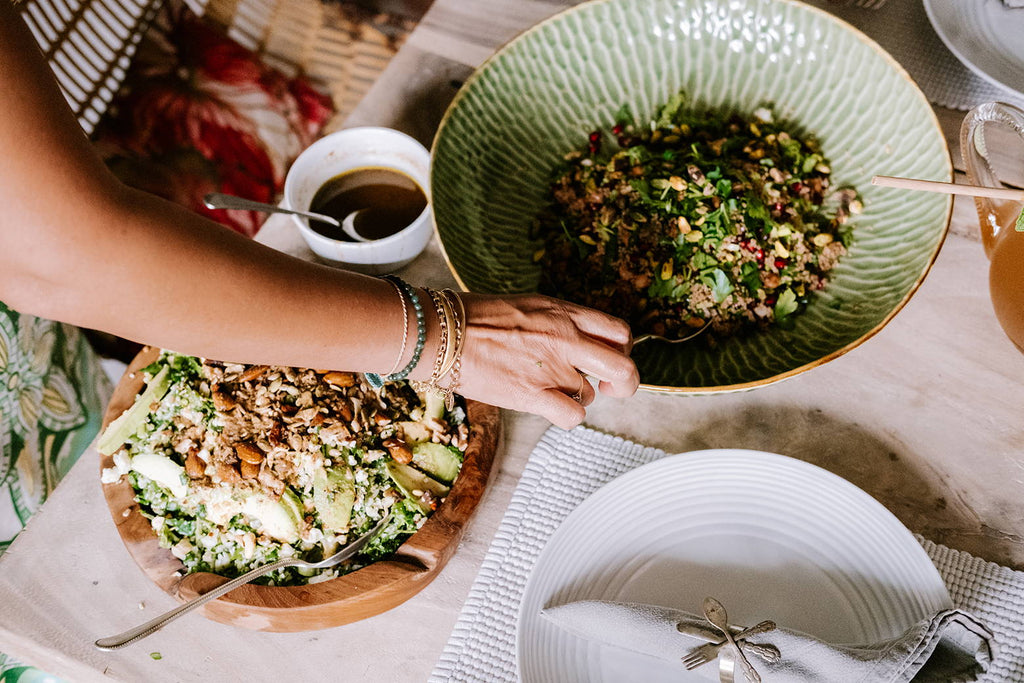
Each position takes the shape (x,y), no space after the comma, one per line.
(52,394)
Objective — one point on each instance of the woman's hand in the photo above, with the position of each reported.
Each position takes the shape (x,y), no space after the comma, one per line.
(527,353)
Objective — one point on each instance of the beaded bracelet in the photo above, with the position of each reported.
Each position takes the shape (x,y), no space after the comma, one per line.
(374,379)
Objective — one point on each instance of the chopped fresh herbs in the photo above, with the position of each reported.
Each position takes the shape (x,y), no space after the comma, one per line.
(699,215)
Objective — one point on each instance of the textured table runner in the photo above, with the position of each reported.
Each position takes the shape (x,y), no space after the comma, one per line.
(903,29)
(563,470)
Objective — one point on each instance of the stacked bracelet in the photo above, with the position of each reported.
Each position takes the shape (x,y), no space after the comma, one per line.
(451,316)
(405,290)
(455,369)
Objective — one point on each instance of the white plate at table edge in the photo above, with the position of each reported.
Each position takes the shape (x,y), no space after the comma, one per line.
(597,553)
(967,41)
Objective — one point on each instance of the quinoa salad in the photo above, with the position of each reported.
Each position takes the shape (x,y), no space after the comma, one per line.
(236,466)
(701,218)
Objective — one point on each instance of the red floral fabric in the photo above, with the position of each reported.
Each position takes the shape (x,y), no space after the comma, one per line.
(200,113)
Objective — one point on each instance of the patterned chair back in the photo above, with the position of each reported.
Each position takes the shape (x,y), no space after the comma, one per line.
(89,44)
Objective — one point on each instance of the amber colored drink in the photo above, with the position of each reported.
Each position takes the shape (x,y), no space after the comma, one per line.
(1003,244)
(1006,274)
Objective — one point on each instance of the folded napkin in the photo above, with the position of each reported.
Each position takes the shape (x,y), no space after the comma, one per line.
(949,647)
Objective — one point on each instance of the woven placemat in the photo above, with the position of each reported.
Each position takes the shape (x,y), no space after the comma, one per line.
(903,29)
(563,470)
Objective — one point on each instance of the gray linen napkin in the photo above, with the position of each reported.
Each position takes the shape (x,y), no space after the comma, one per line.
(949,647)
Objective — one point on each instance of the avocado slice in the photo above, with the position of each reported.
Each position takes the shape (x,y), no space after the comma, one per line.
(333,496)
(162,470)
(280,519)
(409,479)
(433,404)
(414,432)
(436,460)
(129,421)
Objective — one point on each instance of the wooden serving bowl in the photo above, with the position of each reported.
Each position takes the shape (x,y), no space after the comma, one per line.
(361,594)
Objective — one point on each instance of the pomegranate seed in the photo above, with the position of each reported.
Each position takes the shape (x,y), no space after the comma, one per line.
(759,255)
(780,263)
(777,207)
(770,301)
(797,186)
(617,129)
(595,137)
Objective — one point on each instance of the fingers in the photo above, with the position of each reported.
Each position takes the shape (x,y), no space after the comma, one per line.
(601,326)
(583,393)
(616,371)
(561,410)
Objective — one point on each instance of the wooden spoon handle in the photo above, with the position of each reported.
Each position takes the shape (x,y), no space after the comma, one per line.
(948,188)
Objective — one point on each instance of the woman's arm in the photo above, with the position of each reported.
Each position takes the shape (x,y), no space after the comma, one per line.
(78,246)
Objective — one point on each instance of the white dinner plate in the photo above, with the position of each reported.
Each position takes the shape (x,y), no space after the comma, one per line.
(986,35)
(770,536)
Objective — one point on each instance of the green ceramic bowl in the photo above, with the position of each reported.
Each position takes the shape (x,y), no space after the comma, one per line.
(540,95)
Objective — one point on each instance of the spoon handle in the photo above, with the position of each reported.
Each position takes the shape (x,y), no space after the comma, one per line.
(153,625)
(217,200)
(948,188)
(719,618)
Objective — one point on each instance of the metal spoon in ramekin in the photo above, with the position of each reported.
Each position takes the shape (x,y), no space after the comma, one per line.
(218,200)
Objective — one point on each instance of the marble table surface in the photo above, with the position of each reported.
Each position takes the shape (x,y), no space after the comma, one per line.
(924,417)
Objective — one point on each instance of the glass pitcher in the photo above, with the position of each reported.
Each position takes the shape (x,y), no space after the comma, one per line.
(1003,244)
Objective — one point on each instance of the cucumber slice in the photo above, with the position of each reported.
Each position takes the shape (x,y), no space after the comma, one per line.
(130,420)
(437,461)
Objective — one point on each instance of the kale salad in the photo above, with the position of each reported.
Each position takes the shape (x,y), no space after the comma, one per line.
(236,466)
(702,218)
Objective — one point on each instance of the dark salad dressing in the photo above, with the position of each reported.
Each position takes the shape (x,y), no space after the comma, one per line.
(387,200)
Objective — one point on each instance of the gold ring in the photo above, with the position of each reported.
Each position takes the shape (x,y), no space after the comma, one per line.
(578,396)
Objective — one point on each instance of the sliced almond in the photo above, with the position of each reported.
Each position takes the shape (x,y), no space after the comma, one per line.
(248,453)
(194,465)
(249,470)
(340,379)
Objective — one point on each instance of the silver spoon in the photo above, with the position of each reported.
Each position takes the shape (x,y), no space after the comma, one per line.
(150,627)
(218,200)
(714,611)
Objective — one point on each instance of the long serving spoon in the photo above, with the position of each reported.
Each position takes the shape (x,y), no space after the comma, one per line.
(714,611)
(218,200)
(150,627)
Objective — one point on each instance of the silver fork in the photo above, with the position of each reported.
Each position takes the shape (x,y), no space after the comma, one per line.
(702,654)
(150,627)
